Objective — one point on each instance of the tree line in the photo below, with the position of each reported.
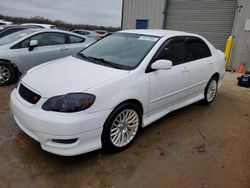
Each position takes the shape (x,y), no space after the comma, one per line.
(59,24)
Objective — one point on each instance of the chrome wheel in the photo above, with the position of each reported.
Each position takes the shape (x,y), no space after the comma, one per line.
(124,128)
(4,74)
(212,90)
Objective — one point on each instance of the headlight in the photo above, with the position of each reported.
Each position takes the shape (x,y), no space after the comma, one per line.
(72,102)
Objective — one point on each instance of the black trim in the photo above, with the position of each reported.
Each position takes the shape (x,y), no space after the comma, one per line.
(68,141)
(28,95)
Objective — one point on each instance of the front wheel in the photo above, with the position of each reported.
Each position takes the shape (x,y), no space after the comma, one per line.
(210,91)
(7,74)
(121,128)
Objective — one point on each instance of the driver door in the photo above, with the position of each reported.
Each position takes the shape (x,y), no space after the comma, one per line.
(51,46)
(169,87)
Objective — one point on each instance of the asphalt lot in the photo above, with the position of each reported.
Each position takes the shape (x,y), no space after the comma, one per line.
(198,147)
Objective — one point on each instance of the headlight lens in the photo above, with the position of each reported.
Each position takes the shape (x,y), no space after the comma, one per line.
(69,103)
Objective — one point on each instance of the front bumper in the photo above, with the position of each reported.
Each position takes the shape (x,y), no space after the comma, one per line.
(45,127)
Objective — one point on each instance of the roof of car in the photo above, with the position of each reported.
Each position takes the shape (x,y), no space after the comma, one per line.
(16,25)
(38,30)
(156,32)
(38,24)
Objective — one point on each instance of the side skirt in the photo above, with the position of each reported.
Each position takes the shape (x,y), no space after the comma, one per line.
(147,120)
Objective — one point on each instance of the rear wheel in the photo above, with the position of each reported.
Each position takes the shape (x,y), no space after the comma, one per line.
(121,128)
(7,74)
(210,91)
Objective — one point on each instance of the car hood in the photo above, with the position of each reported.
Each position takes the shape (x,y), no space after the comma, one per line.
(68,75)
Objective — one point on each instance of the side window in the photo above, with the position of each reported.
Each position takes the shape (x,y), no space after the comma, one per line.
(46,39)
(25,43)
(85,33)
(11,30)
(197,48)
(174,50)
(75,39)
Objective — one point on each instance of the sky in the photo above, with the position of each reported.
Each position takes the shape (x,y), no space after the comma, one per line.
(93,12)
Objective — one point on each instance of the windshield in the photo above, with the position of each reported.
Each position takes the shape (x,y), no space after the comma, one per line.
(8,39)
(122,49)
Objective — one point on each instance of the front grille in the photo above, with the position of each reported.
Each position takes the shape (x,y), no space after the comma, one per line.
(28,95)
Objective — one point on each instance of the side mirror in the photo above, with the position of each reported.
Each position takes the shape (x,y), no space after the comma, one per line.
(162,65)
(33,44)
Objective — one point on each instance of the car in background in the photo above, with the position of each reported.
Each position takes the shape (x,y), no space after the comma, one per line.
(88,33)
(44,26)
(115,87)
(102,33)
(8,29)
(4,22)
(24,49)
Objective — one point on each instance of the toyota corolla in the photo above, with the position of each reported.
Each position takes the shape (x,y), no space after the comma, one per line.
(102,96)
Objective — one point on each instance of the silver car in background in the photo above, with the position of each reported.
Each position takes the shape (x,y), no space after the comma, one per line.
(25,49)
(87,33)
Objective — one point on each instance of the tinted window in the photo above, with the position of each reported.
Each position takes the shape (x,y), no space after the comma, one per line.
(197,48)
(126,50)
(15,36)
(46,39)
(11,30)
(175,51)
(75,39)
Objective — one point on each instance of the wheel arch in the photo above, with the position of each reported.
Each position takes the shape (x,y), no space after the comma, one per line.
(216,76)
(133,101)
(5,61)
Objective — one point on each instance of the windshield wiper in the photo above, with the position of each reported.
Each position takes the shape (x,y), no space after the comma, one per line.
(103,61)
(87,57)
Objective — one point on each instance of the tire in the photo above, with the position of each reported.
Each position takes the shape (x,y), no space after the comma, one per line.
(210,91)
(118,136)
(7,74)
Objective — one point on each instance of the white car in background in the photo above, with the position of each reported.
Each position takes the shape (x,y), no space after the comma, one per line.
(44,26)
(101,97)
(4,22)
(24,49)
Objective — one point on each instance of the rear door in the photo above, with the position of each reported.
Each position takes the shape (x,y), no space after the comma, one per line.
(168,87)
(201,63)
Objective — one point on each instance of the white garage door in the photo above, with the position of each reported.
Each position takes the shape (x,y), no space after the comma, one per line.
(212,19)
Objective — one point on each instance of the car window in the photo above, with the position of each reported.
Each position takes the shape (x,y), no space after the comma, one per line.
(174,50)
(11,30)
(75,39)
(127,50)
(197,48)
(8,39)
(45,39)
(85,33)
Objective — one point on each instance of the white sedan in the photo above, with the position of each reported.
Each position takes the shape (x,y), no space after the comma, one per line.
(103,96)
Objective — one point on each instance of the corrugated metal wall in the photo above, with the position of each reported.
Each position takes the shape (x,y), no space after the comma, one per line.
(241,46)
(152,10)
(212,19)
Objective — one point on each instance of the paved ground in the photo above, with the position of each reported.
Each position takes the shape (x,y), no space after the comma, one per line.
(197,147)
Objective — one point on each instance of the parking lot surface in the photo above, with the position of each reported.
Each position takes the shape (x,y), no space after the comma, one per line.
(197,146)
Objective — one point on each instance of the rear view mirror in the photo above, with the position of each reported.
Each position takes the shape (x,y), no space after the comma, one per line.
(162,65)
(33,44)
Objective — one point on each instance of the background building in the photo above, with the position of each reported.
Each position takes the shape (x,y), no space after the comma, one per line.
(214,19)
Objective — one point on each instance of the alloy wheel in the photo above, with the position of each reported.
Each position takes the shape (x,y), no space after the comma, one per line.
(212,90)
(4,74)
(124,128)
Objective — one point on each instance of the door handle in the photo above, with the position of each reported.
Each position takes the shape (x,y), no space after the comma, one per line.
(64,48)
(185,69)
(210,63)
